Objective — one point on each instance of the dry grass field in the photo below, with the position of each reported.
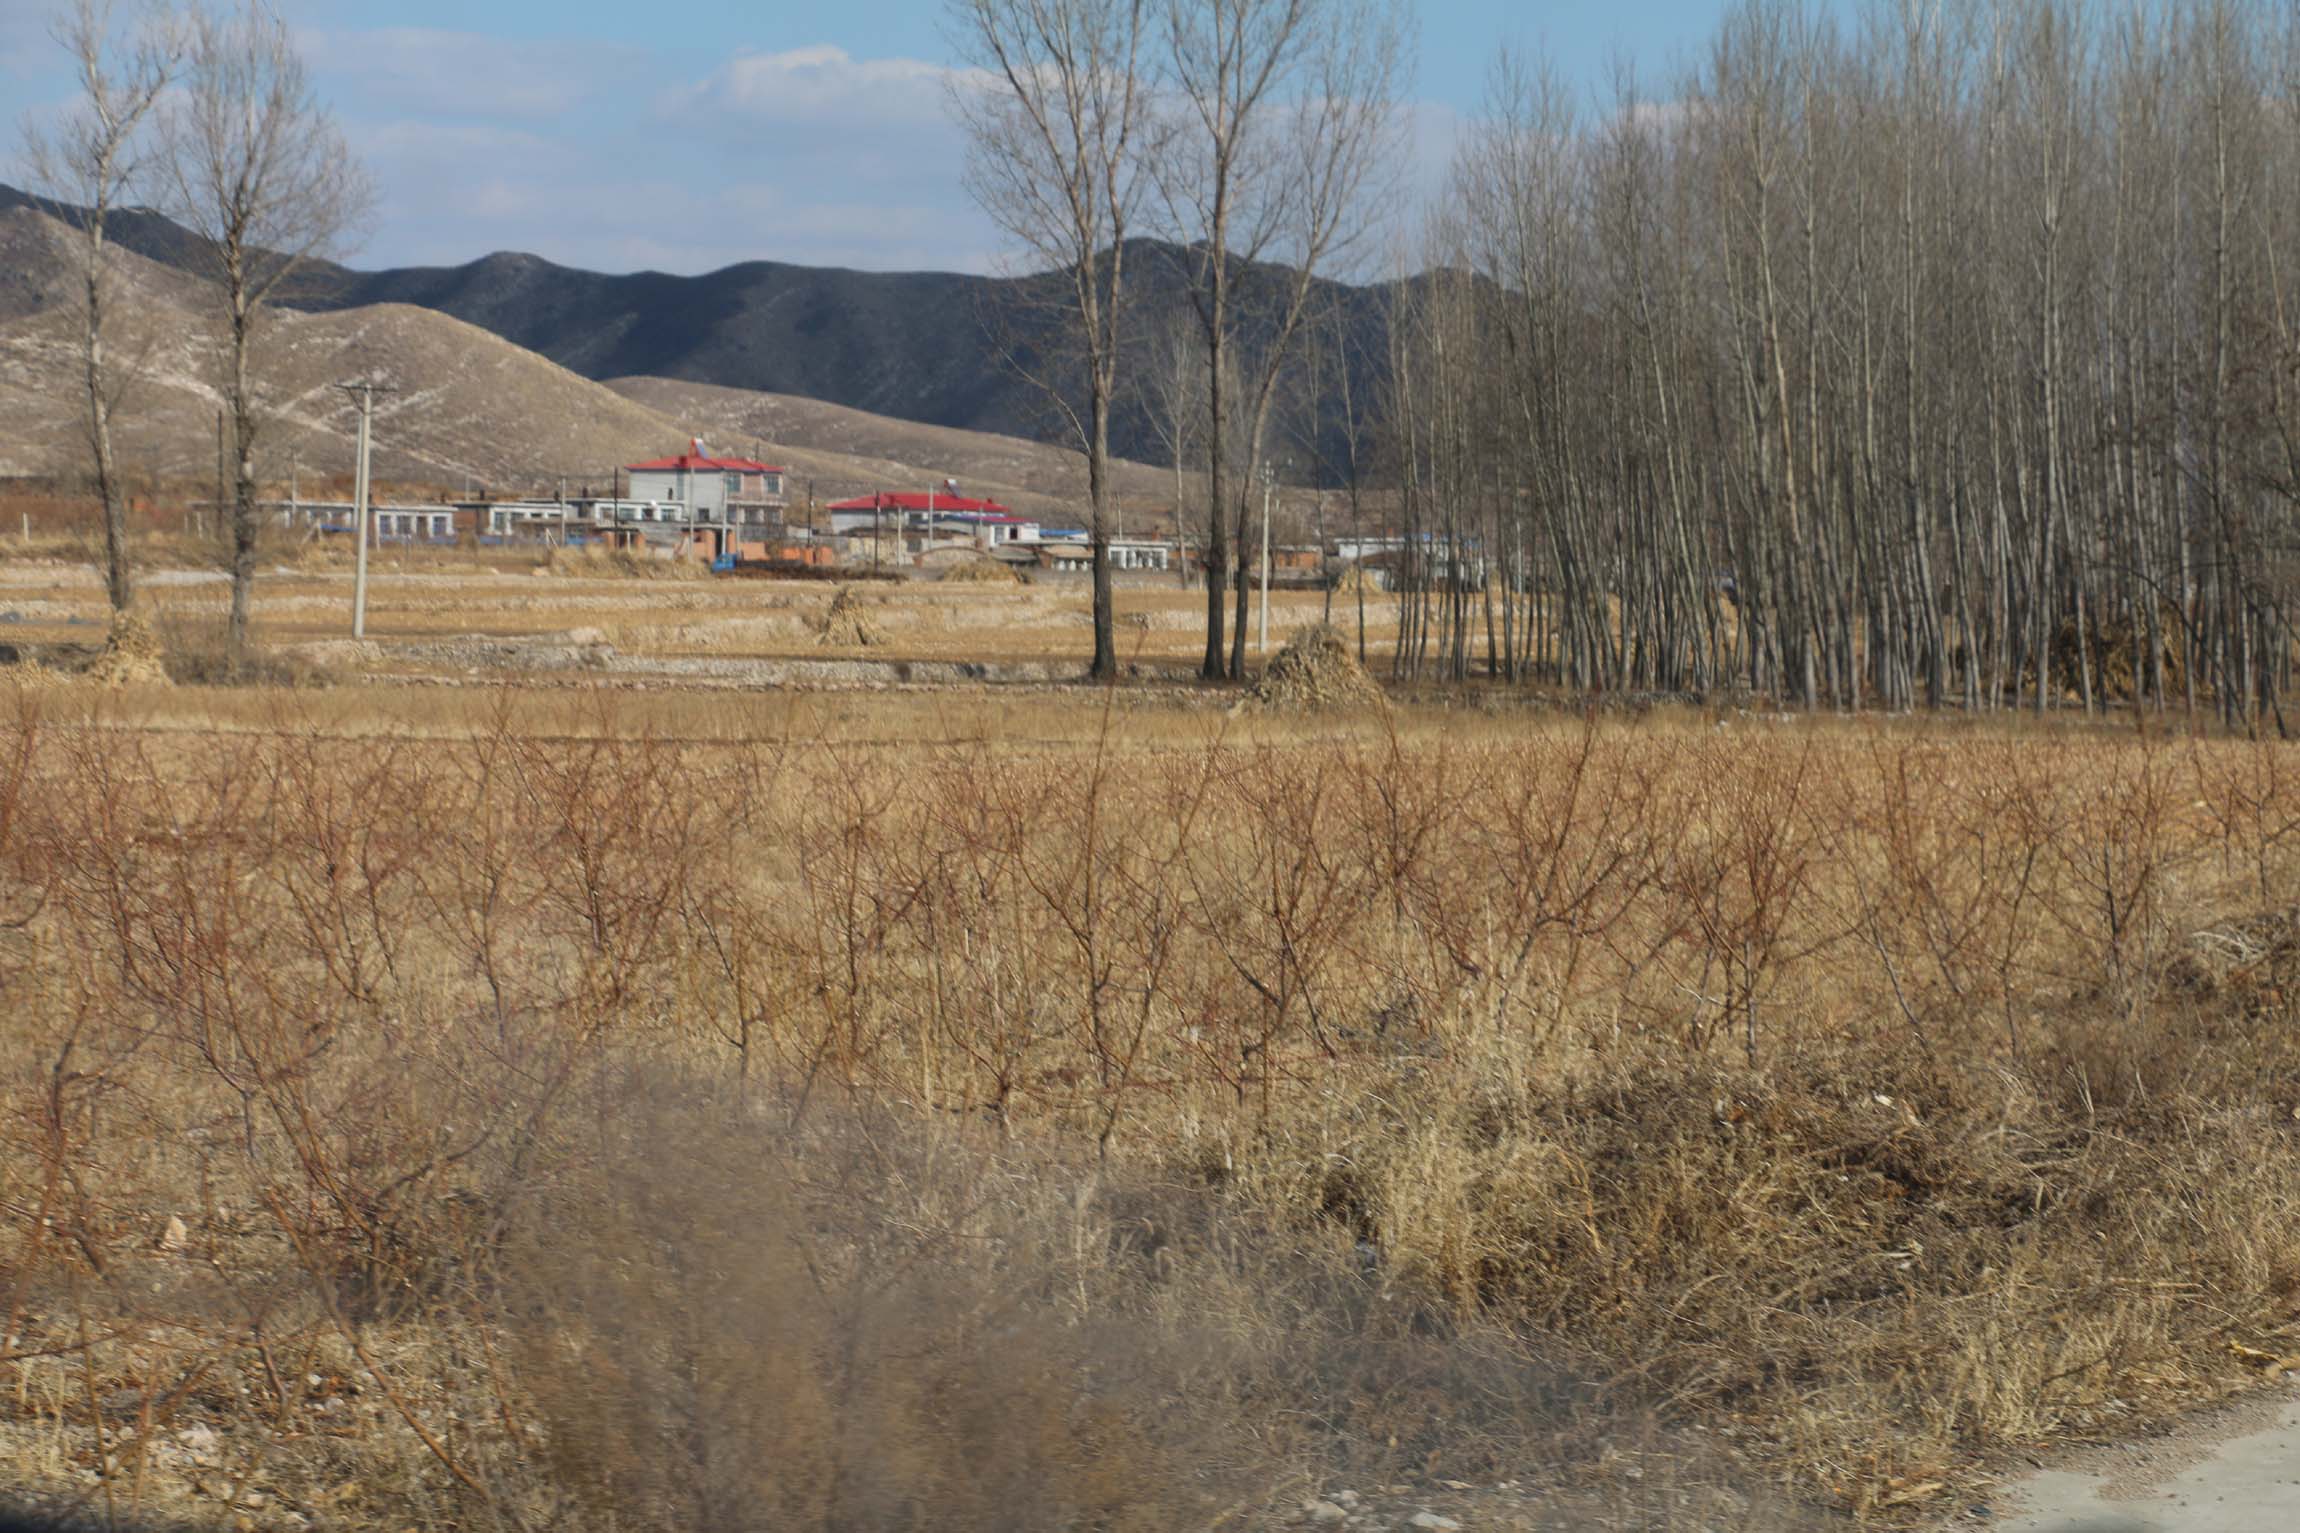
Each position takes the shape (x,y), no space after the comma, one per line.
(655,627)
(558,1101)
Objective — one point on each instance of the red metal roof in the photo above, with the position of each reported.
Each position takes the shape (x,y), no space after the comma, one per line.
(694,465)
(909,500)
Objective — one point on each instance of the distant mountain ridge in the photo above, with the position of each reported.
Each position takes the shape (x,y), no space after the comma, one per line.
(466,409)
(916,346)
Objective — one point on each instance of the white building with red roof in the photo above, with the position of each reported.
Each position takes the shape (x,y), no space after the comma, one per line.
(710,489)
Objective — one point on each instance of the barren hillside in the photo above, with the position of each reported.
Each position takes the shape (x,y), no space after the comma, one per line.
(466,404)
(913,345)
(467,407)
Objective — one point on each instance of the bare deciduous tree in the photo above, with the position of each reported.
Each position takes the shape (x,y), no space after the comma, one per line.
(1170,390)
(88,164)
(1284,111)
(263,177)
(1055,162)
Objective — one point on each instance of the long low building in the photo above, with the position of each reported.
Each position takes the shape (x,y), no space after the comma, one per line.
(1070,554)
(930,517)
(391,524)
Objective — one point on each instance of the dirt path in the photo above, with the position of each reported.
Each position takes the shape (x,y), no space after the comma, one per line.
(2236,1472)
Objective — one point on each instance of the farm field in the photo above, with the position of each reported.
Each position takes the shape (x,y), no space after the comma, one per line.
(512,1101)
(660,625)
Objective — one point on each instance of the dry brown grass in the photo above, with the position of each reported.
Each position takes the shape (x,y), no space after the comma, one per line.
(593,562)
(429,594)
(1430,1099)
(982,571)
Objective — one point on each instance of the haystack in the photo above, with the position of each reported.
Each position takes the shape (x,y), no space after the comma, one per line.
(1316,673)
(983,571)
(132,655)
(844,624)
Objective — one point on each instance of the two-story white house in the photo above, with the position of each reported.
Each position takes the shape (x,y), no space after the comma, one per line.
(708,490)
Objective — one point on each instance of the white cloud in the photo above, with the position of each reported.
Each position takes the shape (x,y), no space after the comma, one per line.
(824,84)
(582,154)
(595,155)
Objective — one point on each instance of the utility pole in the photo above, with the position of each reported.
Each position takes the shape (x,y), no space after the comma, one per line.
(1323,578)
(365,390)
(1269,488)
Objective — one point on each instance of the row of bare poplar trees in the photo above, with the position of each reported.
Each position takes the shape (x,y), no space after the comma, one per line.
(208,113)
(1946,356)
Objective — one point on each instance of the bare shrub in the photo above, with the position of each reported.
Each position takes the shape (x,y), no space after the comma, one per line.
(602,1101)
(193,652)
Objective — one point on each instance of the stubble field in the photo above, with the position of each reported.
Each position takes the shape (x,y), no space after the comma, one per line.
(563,1102)
(451,613)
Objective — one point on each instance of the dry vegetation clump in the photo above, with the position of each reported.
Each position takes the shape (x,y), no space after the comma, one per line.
(1316,671)
(194,650)
(25,673)
(549,1124)
(45,547)
(2117,653)
(133,655)
(315,553)
(594,561)
(845,625)
(982,571)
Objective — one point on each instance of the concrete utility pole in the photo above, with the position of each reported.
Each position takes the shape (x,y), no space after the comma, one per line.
(359,495)
(1269,488)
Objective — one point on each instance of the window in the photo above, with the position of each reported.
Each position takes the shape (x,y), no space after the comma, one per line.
(734,486)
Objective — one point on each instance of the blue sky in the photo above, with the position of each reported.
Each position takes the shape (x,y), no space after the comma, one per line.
(684,135)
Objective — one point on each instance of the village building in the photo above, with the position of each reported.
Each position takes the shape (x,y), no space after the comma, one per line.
(924,520)
(1063,552)
(1393,562)
(412,524)
(709,490)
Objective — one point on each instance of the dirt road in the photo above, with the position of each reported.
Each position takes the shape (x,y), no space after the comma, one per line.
(2239,1473)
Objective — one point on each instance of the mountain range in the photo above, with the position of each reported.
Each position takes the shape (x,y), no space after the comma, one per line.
(465,407)
(929,347)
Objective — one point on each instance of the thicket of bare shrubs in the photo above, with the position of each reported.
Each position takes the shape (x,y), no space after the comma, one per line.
(586,1130)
